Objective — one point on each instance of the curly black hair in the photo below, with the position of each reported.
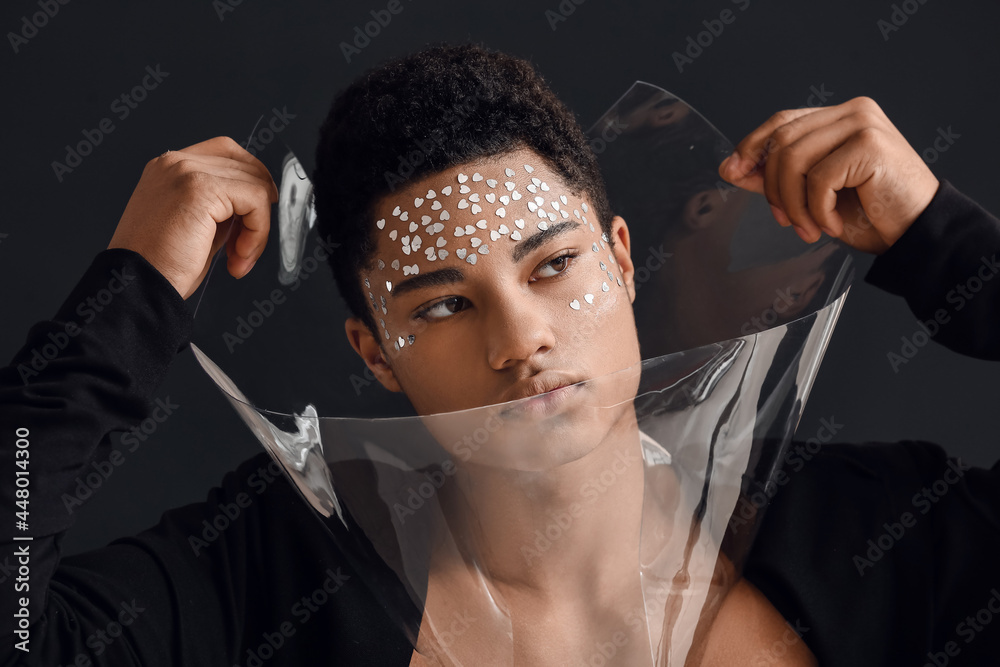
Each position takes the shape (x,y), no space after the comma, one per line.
(419,114)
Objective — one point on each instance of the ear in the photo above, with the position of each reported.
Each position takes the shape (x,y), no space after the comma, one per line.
(371,352)
(622,253)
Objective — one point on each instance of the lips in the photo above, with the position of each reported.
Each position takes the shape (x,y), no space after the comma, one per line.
(540,384)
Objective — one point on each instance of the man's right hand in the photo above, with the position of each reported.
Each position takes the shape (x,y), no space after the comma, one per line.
(175,216)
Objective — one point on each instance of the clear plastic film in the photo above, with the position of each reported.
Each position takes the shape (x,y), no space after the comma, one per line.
(633,494)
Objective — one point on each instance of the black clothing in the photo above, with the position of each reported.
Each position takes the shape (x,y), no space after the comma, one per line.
(271,589)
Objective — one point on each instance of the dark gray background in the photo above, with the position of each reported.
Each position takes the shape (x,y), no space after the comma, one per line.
(939,70)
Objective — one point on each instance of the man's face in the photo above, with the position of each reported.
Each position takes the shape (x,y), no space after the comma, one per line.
(489,276)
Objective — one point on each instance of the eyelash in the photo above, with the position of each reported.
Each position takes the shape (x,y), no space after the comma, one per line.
(570,256)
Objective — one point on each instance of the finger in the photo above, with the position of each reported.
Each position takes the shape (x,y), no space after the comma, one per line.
(796,160)
(228,148)
(253,206)
(751,153)
(846,167)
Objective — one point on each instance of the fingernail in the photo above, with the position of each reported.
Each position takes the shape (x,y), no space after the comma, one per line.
(731,164)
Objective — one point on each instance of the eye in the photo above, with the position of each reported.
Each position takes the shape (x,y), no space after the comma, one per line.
(441,309)
(561,263)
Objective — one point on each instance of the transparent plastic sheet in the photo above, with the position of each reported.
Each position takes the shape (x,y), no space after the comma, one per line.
(440,513)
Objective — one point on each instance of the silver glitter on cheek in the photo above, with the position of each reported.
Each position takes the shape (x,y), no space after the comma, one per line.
(515,235)
(445,215)
(484,249)
(510,185)
(410,339)
(482,224)
(543,225)
(574,304)
(594,247)
(544,186)
(446,191)
(563,199)
(477,177)
(471,259)
(492,182)
(584,206)
(604,287)
(603,267)
(619,281)
(395,212)
(508,171)
(462,178)
(442,253)
(381,265)
(491,198)
(464,189)
(505,200)
(388,286)
(515,195)
(436,205)
(431,194)
(417,202)
(395,264)
(589,298)
(476,208)
(393,234)
(531,188)
(460,253)
(528,168)
(404,216)
(475,241)
(380,224)
(368,284)
(463,203)
(520,223)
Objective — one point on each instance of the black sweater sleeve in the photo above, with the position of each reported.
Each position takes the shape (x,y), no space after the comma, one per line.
(946,267)
(88,371)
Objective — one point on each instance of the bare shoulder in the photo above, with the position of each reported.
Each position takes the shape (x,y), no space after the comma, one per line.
(749,631)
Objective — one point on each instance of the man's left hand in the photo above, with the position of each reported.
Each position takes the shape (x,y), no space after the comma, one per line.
(844,169)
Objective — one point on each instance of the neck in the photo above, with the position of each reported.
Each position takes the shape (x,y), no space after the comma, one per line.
(573,529)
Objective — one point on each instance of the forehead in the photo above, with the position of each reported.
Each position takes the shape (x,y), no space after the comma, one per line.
(449,222)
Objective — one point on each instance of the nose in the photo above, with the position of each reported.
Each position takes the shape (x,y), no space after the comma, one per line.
(519,327)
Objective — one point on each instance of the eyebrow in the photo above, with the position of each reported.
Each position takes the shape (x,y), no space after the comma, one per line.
(453,275)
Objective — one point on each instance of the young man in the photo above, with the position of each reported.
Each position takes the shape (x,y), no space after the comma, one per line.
(252,597)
